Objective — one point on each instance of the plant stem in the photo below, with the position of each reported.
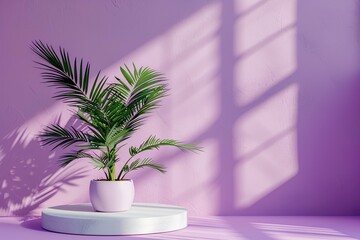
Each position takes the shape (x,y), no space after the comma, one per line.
(112,173)
(122,169)
(111,169)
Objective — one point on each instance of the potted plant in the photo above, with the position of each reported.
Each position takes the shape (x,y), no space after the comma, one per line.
(110,114)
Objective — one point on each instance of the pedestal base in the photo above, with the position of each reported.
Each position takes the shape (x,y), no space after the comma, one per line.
(140,219)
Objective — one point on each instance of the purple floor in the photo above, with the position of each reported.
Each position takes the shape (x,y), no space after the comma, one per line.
(224,228)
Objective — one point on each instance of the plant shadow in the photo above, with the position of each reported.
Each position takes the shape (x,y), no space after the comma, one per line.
(30,175)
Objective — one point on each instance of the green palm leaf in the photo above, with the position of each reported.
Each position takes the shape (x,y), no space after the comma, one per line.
(138,163)
(58,72)
(71,80)
(130,101)
(155,143)
(116,135)
(70,157)
(59,136)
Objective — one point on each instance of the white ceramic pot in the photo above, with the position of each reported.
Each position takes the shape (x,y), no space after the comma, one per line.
(111,196)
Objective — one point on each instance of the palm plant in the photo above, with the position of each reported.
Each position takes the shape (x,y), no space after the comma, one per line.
(110,113)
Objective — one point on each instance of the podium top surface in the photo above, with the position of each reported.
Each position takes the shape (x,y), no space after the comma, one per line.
(137,210)
(141,218)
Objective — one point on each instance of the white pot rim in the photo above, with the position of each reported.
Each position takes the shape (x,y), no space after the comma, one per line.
(106,181)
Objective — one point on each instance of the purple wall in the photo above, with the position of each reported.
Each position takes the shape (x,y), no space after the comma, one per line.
(270,89)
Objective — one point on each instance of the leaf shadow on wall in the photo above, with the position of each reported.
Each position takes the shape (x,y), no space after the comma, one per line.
(29,175)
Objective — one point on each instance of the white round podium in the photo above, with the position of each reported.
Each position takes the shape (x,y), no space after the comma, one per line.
(140,219)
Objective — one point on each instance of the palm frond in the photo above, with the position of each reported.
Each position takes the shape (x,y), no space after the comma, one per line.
(138,163)
(82,116)
(97,90)
(142,90)
(59,73)
(98,129)
(58,136)
(127,103)
(155,143)
(70,157)
(116,135)
(100,160)
(69,78)
(133,115)
(146,81)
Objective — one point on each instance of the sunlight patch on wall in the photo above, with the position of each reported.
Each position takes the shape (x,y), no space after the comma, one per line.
(245,7)
(258,23)
(265,146)
(193,67)
(188,55)
(189,35)
(265,47)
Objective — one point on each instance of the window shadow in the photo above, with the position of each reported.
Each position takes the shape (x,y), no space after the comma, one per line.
(326,122)
(327,116)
